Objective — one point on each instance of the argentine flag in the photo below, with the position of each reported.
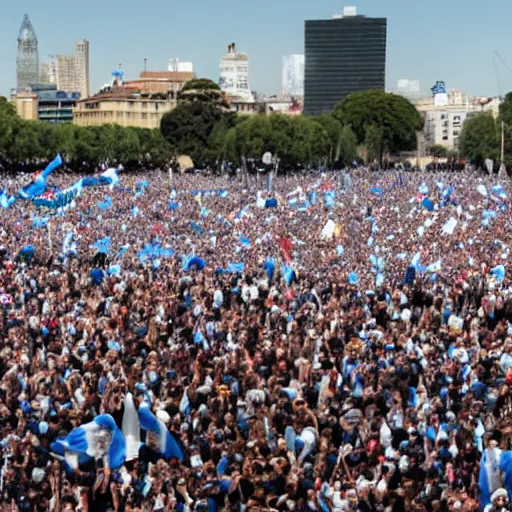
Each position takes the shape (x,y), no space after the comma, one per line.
(110,176)
(95,440)
(158,437)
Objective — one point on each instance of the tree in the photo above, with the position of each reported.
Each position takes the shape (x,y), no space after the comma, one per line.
(295,140)
(203,90)
(333,128)
(26,144)
(348,145)
(479,139)
(395,117)
(506,118)
(10,124)
(215,149)
(373,142)
(438,151)
(188,127)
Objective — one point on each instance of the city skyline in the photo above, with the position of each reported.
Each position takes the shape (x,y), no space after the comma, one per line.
(422,41)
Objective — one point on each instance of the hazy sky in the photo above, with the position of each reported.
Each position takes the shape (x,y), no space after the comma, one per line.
(450,40)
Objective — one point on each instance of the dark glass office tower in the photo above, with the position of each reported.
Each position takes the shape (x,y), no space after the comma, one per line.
(343,55)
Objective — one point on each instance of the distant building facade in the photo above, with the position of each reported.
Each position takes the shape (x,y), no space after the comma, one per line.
(27,59)
(343,55)
(165,82)
(66,72)
(72,71)
(175,65)
(234,75)
(26,104)
(45,103)
(48,73)
(123,107)
(293,75)
(444,116)
(409,89)
(82,67)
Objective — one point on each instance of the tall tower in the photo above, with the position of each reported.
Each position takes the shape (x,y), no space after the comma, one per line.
(82,67)
(27,61)
(344,55)
(66,73)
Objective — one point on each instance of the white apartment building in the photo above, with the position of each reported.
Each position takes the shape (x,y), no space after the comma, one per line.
(443,123)
(234,75)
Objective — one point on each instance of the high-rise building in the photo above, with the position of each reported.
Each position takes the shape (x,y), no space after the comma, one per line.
(27,61)
(66,78)
(73,70)
(82,67)
(293,75)
(234,75)
(345,54)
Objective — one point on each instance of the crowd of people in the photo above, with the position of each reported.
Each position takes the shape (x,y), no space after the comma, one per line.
(183,343)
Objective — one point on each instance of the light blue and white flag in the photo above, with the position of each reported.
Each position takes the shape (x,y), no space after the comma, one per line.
(111,176)
(158,437)
(95,440)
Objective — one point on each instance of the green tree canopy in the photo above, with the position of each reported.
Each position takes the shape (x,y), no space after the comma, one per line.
(348,145)
(479,139)
(294,140)
(373,142)
(203,90)
(333,129)
(396,118)
(188,127)
(438,151)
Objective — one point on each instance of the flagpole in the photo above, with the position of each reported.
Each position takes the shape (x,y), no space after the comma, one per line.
(49,236)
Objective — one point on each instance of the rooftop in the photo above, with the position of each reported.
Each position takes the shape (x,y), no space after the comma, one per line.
(124,94)
(170,76)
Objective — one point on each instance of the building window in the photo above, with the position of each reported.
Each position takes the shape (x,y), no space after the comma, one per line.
(455,133)
(144,116)
(445,137)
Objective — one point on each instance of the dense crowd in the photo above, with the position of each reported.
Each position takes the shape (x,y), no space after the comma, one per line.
(347,349)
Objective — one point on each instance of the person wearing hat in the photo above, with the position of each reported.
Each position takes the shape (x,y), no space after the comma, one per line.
(499,501)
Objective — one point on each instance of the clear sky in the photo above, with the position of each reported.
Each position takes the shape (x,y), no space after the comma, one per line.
(450,40)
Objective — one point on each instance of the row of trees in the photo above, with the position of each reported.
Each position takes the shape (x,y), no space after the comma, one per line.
(365,125)
(30,142)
